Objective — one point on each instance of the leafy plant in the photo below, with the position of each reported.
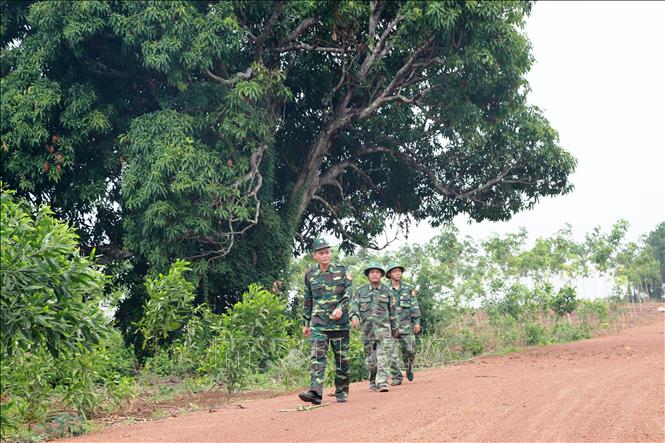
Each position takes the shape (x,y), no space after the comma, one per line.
(169,304)
(565,301)
(250,336)
(50,293)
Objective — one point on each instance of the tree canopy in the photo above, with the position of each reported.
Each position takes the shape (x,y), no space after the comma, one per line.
(230,134)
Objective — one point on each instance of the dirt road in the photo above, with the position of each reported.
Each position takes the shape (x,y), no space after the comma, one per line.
(603,389)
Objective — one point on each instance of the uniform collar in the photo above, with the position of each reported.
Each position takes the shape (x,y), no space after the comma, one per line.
(330,267)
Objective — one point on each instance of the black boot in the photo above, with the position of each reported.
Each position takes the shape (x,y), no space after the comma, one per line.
(311,397)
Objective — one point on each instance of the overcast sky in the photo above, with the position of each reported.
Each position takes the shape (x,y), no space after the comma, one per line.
(599,77)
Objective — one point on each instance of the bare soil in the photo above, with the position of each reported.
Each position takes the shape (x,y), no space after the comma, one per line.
(609,388)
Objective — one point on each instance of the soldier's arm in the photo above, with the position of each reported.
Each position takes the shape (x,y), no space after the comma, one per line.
(348,291)
(307,304)
(414,309)
(392,311)
(355,307)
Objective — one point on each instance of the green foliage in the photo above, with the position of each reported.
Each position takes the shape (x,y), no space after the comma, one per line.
(565,301)
(637,271)
(535,334)
(169,304)
(565,332)
(183,356)
(35,384)
(656,241)
(250,336)
(219,132)
(590,311)
(50,294)
(602,248)
(471,342)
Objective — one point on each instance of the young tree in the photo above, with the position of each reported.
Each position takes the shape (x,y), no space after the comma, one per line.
(656,241)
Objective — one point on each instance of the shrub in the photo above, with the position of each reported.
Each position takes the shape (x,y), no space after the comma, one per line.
(169,304)
(565,301)
(535,334)
(56,348)
(565,332)
(50,293)
(471,343)
(250,336)
(36,384)
(590,310)
(184,355)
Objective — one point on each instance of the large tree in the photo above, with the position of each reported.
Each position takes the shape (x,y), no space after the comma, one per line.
(231,133)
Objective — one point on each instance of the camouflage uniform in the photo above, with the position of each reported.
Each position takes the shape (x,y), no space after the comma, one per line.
(324,292)
(375,309)
(408,315)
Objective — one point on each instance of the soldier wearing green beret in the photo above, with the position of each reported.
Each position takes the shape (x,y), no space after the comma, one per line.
(408,316)
(373,307)
(326,321)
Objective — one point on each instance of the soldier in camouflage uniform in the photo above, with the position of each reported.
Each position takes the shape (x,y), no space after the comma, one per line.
(326,322)
(373,306)
(408,316)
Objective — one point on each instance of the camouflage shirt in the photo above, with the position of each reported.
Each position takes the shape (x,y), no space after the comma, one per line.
(324,292)
(408,311)
(375,308)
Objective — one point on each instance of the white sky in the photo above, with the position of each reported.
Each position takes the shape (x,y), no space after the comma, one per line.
(599,77)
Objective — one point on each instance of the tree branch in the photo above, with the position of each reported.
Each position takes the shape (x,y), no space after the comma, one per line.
(278,6)
(302,27)
(334,171)
(486,185)
(378,50)
(229,82)
(308,47)
(365,112)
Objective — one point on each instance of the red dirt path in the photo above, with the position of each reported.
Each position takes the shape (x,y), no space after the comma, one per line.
(604,389)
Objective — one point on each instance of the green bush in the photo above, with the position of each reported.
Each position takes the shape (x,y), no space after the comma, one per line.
(184,355)
(564,332)
(506,330)
(250,336)
(50,293)
(565,301)
(471,343)
(56,348)
(535,334)
(590,310)
(169,304)
(38,385)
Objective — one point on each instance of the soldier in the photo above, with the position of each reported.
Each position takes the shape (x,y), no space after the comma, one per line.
(373,306)
(326,322)
(408,316)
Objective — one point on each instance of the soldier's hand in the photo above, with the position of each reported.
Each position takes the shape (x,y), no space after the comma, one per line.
(306,331)
(337,314)
(355,323)
(417,329)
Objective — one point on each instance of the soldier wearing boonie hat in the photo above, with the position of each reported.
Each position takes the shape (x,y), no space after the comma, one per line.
(408,317)
(373,307)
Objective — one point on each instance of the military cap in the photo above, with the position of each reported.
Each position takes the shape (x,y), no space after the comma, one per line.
(393,265)
(319,243)
(375,265)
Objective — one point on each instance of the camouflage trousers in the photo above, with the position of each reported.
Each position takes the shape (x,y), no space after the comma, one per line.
(339,342)
(377,359)
(407,345)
